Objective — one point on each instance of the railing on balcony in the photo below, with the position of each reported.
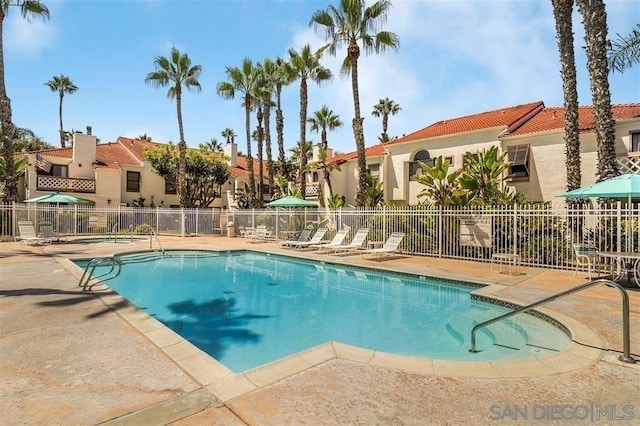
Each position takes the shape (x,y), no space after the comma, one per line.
(64,184)
(629,164)
(312,190)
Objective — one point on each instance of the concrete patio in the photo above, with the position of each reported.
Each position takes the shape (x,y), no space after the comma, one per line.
(74,358)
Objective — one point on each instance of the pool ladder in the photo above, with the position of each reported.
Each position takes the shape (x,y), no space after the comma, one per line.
(154,236)
(87,281)
(626,355)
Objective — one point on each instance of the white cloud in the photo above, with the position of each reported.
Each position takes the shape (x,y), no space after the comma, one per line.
(28,38)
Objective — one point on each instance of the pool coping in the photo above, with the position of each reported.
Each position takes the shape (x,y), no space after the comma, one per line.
(586,347)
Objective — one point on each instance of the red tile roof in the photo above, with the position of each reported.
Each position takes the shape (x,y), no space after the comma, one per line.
(504,117)
(131,152)
(553,119)
(372,151)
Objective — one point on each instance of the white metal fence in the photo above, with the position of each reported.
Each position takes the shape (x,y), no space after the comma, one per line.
(540,235)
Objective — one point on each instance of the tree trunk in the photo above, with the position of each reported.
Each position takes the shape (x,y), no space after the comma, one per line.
(358,132)
(594,18)
(280,126)
(62,144)
(325,169)
(267,140)
(11,181)
(247,128)
(260,166)
(182,153)
(302,170)
(562,10)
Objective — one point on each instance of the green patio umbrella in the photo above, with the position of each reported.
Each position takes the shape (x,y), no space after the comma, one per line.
(619,187)
(56,198)
(290,201)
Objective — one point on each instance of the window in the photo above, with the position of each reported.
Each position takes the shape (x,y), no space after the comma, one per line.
(449,159)
(133,181)
(414,166)
(169,187)
(635,142)
(375,170)
(56,170)
(315,177)
(518,156)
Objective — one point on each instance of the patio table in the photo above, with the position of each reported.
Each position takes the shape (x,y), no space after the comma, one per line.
(621,259)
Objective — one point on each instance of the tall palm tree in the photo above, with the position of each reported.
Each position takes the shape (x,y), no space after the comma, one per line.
(562,11)
(384,108)
(625,51)
(347,25)
(61,85)
(305,65)
(324,119)
(269,78)
(243,80)
(282,77)
(229,135)
(176,71)
(28,9)
(594,18)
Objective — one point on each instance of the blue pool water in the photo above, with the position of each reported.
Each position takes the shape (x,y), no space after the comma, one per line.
(246,309)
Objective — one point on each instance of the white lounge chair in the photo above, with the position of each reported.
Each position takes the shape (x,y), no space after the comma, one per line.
(28,234)
(336,241)
(261,234)
(317,237)
(303,237)
(390,247)
(357,243)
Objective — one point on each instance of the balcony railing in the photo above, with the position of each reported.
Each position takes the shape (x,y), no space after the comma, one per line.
(63,184)
(312,190)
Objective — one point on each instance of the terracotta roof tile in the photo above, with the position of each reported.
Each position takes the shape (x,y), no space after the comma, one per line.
(553,119)
(372,151)
(504,117)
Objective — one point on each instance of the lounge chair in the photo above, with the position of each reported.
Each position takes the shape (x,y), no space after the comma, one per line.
(336,241)
(261,234)
(356,244)
(303,237)
(389,248)
(46,231)
(317,237)
(28,234)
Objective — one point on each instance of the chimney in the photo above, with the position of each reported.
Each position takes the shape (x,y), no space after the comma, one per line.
(231,152)
(89,130)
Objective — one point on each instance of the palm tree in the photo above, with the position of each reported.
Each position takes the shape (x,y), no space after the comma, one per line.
(625,51)
(594,18)
(28,9)
(229,135)
(213,145)
(243,80)
(346,25)
(324,119)
(281,77)
(62,85)
(175,72)
(270,77)
(562,11)
(144,137)
(305,66)
(384,108)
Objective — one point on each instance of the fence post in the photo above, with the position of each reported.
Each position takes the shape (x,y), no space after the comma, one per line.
(619,225)
(440,231)
(182,221)
(13,221)
(515,228)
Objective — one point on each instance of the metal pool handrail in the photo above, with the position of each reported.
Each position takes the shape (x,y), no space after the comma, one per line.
(152,236)
(91,267)
(625,357)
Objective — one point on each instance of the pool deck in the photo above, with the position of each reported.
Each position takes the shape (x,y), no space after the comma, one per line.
(68,357)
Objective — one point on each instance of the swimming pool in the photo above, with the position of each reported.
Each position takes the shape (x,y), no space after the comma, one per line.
(246,309)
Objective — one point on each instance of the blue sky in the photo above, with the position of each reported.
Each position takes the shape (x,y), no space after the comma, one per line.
(457,57)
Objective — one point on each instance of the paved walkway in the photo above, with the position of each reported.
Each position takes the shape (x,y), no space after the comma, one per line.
(67,357)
